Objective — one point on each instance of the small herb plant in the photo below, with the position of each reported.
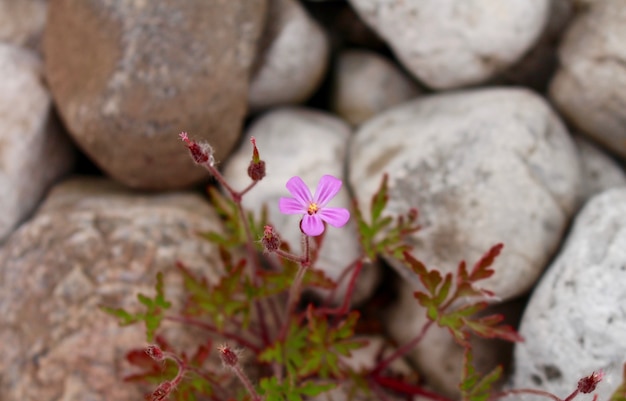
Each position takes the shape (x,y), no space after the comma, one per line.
(280,349)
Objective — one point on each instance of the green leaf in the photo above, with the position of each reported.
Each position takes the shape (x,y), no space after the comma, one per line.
(291,352)
(474,387)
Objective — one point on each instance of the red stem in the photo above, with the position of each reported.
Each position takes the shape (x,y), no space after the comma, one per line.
(541,393)
(382,365)
(406,388)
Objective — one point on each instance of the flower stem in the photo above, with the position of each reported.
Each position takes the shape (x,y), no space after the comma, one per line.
(403,350)
(296,286)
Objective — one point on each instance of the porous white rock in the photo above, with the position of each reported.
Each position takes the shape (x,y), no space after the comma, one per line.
(590,86)
(366,83)
(293,59)
(575,321)
(448,43)
(309,144)
(482,167)
(33,151)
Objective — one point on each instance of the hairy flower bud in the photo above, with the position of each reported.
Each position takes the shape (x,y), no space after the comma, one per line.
(229,356)
(162,391)
(201,153)
(271,240)
(155,352)
(588,384)
(256,169)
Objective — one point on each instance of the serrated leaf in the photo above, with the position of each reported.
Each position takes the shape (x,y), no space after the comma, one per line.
(474,387)
(125,318)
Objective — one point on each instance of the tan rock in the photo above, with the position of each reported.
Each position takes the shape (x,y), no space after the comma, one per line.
(128,76)
(92,243)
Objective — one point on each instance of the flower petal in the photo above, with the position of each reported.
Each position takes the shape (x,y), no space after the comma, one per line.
(327,188)
(335,216)
(298,189)
(312,225)
(290,206)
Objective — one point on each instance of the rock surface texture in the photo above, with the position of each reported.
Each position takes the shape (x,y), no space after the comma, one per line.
(482,167)
(33,151)
(599,171)
(22,22)
(366,84)
(154,69)
(590,86)
(293,57)
(448,44)
(575,321)
(92,243)
(308,144)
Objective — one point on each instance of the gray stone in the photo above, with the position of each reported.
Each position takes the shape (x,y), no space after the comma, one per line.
(309,144)
(448,44)
(599,171)
(293,59)
(575,321)
(482,167)
(366,83)
(154,69)
(92,243)
(22,22)
(590,86)
(33,151)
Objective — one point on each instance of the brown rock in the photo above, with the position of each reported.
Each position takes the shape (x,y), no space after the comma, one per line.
(91,243)
(127,76)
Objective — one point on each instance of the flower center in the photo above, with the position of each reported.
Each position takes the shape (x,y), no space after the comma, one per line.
(313,208)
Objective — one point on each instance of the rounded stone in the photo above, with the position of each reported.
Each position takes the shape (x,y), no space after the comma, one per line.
(590,86)
(309,144)
(293,57)
(93,243)
(482,167)
(154,69)
(575,321)
(448,44)
(366,83)
(599,171)
(34,153)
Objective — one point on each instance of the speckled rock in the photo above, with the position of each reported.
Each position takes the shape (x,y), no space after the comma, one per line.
(92,243)
(293,59)
(22,22)
(33,151)
(448,44)
(154,69)
(599,171)
(438,357)
(482,167)
(590,86)
(366,83)
(575,321)
(309,144)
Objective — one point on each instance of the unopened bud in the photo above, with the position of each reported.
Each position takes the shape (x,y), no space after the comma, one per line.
(162,391)
(256,169)
(229,356)
(270,240)
(588,384)
(155,352)
(201,153)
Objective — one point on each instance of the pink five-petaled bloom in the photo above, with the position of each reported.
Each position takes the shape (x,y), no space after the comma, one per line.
(313,208)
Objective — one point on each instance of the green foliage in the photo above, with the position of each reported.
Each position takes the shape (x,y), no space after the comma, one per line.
(274,390)
(381,235)
(475,387)
(223,301)
(234,226)
(442,292)
(153,314)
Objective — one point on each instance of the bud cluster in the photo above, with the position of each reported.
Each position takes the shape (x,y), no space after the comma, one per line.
(256,169)
(271,240)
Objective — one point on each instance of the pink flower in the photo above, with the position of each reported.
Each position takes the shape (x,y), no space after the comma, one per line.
(313,208)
